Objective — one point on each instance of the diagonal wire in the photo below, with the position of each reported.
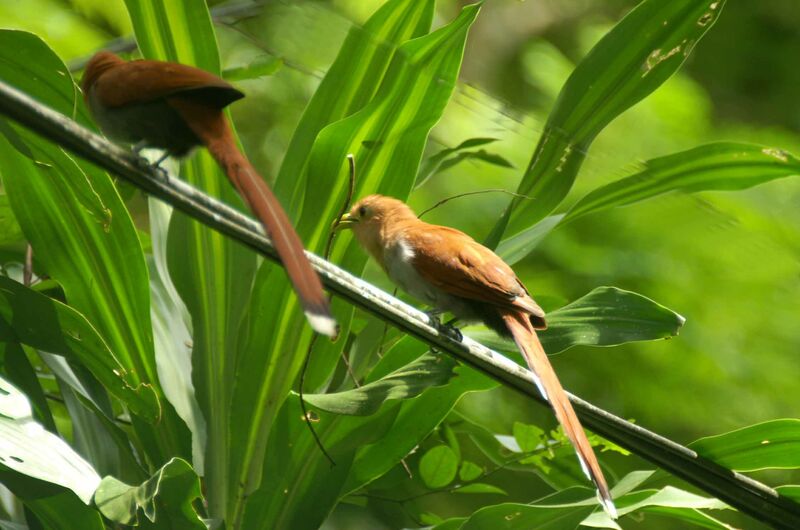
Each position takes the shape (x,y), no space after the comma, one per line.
(739,491)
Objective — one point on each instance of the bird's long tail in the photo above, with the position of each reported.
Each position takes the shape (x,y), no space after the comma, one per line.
(528,343)
(211,126)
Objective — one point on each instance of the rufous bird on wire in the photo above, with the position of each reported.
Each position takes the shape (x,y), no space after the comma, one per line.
(452,272)
(176,108)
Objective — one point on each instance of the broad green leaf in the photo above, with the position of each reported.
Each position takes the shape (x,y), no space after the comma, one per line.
(438,467)
(45,324)
(387,137)
(175,30)
(11,235)
(51,506)
(405,383)
(607,316)
(29,449)
(415,420)
(212,274)
(790,491)
(172,334)
(512,516)
(450,524)
(17,369)
(528,437)
(469,471)
(303,486)
(349,84)
(667,501)
(166,499)
(479,487)
(258,67)
(83,237)
(641,52)
(719,166)
(769,445)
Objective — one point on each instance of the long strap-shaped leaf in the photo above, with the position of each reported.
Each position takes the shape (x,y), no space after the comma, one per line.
(748,495)
(642,51)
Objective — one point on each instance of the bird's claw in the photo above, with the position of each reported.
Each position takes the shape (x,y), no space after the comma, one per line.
(444,329)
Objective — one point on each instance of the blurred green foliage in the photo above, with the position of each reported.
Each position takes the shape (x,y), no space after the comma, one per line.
(727,261)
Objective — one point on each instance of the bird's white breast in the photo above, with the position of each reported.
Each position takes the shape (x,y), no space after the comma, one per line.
(399,263)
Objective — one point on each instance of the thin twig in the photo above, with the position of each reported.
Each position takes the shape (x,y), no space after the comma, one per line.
(345,206)
(306,416)
(468,193)
(748,495)
(27,271)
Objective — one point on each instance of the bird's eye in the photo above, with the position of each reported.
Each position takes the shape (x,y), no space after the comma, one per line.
(362,212)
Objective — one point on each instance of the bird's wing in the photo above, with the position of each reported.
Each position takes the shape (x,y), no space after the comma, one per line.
(457,264)
(143,81)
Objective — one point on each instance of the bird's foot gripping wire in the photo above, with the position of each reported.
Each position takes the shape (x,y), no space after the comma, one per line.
(447,329)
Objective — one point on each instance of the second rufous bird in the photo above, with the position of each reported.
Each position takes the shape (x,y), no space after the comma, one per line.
(176,108)
(452,272)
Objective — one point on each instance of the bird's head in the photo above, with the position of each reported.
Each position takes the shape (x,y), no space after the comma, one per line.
(373,220)
(99,63)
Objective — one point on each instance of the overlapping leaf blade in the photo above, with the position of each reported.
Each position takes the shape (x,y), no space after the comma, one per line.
(387,137)
(642,51)
(769,445)
(45,324)
(212,274)
(82,235)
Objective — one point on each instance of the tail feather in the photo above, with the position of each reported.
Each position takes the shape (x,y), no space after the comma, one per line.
(550,387)
(212,128)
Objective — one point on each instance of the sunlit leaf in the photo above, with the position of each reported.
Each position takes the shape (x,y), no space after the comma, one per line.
(438,467)
(769,445)
(29,449)
(166,499)
(607,316)
(720,166)
(405,383)
(641,52)
(45,324)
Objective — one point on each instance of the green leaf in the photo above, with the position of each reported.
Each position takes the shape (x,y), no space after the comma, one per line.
(261,66)
(405,383)
(607,316)
(45,324)
(350,83)
(719,166)
(434,163)
(479,487)
(438,467)
(469,471)
(415,420)
(387,137)
(29,449)
(528,437)
(303,486)
(668,501)
(513,516)
(166,499)
(450,524)
(641,52)
(83,236)
(769,445)
(790,491)
(51,506)
(212,274)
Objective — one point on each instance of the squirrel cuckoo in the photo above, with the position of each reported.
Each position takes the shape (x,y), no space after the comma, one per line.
(452,272)
(176,108)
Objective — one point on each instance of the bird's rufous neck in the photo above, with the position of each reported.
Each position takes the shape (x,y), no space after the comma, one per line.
(100,63)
